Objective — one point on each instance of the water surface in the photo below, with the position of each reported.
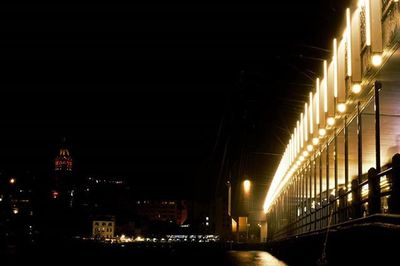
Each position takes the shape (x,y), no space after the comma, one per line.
(252,258)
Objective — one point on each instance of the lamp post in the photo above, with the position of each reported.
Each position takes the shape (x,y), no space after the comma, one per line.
(246,190)
(246,186)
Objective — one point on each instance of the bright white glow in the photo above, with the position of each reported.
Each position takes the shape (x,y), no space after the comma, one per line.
(306,122)
(139,239)
(322,132)
(335,69)
(15,211)
(348,41)
(301,130)
(310,148)
(311,114)
(341,107)
(295,143)
(305,153)
(317,102)
(280,178)
(356,88)
(376,60)
(325,86)
(12,180)
(330,121)
(315,141)
(301,158)
(291,149)
(361,3)
(298,137)
(246,186)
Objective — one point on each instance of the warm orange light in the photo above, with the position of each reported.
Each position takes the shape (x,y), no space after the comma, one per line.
(246,186)
(310,147)
(376,60)
(330,121)
(356,88)
(12,181)
(342,107)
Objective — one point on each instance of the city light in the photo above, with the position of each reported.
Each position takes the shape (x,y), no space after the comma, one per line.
(55,194)
(139,239)
(246,186)
(12,180)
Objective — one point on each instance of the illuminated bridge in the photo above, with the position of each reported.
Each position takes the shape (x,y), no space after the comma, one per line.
(341,166)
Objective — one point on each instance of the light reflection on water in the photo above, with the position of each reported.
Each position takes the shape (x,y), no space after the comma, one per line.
(253,258)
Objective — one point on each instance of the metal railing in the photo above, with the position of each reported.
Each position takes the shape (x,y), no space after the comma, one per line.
(371,196)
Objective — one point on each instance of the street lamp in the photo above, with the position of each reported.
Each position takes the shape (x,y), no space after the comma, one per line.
(246,186)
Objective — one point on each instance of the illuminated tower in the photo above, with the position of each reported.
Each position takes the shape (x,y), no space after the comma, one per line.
(63,183)
(63,161)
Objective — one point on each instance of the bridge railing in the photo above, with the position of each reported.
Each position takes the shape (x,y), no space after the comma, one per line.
(379,193)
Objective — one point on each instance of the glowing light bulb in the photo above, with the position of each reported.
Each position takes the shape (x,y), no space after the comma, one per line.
(322,132)
(310,148)
(315,141)
(376,60)
(246,185)
(356,88)
(342,107)
(305,153)
(330,121)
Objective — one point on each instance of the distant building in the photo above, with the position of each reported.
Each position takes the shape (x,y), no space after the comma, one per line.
(163,210)
(63,161)
(104,228)
(63,185)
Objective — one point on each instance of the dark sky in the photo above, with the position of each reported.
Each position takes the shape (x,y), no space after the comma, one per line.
(139,90)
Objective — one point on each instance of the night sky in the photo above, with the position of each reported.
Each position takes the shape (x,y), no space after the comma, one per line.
(139,91)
